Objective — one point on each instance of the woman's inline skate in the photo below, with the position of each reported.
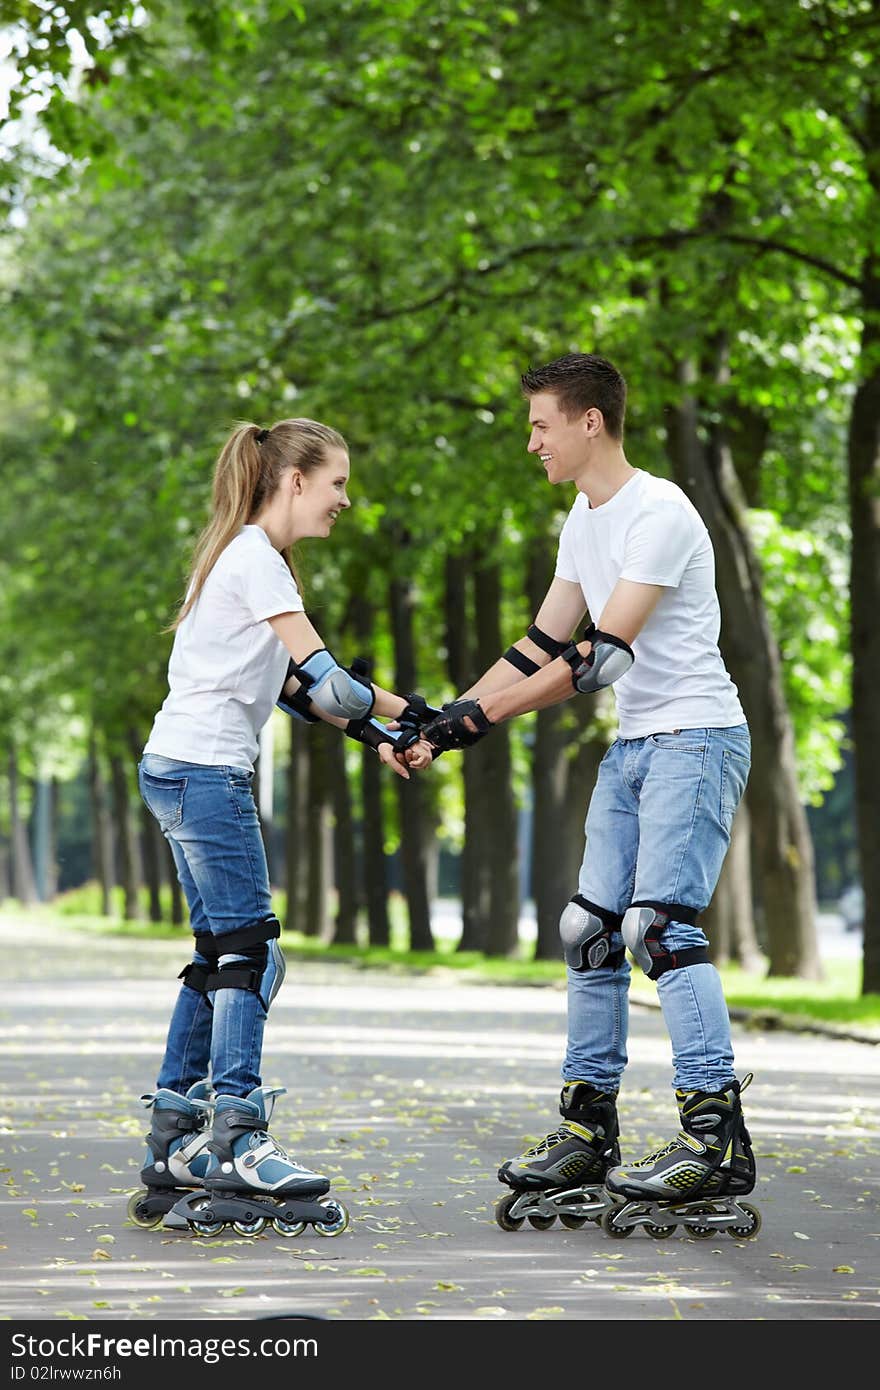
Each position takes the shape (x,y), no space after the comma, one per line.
(177,1156)
(563,1175)
(252,1182)
(697,1180)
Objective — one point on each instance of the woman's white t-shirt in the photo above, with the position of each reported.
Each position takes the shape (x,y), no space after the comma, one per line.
(227,666)
(649,532)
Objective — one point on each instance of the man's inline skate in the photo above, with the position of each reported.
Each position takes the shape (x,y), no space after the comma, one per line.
(177,1156)
(697,1180)
(252,1182)
(563,1175)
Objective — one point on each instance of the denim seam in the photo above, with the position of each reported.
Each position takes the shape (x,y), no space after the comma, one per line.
(690,833)
(246,839)
(728,755)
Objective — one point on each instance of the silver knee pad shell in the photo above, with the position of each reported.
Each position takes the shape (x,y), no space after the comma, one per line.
(586,930)
(642,927)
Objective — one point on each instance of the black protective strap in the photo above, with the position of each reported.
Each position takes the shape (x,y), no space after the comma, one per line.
(521,661)
(237,975)
(254,934)
(671,912)
(196,976)
(551,645)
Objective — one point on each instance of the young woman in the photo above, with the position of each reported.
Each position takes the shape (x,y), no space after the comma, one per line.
(240,637)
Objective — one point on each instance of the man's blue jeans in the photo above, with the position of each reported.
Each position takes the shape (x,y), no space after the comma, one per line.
(209,818)
(658,828)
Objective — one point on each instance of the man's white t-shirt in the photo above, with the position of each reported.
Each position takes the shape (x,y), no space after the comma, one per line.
(227,666)
(649,532)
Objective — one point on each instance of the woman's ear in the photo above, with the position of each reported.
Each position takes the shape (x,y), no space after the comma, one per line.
(296,481)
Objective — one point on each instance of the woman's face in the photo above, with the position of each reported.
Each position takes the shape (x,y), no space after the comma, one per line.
(322,495)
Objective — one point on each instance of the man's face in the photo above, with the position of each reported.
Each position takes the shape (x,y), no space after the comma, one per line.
(562,445)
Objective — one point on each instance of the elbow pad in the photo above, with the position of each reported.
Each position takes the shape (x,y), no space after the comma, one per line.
(333,689)
(609,659)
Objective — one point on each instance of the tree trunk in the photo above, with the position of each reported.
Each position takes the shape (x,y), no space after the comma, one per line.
(412,795)
(344,861)
(497,837)
(463,671)
(552,882)
(5,867)
(295,834)
(705,472)
(729,920)
(375,877)
(179,908)
(129,861)
(24,886)
(102,830)
(150,859)
(318,837)
(151,839)
(52,869)
(864,501)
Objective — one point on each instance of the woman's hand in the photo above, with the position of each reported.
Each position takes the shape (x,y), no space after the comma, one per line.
(389,757)
(419,755)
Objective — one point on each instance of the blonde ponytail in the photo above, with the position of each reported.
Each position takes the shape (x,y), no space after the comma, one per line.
(247,473)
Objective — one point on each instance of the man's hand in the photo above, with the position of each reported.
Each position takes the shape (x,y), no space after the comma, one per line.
(461,724)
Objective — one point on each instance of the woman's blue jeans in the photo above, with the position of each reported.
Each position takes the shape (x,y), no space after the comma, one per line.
(657,829)
(209,818)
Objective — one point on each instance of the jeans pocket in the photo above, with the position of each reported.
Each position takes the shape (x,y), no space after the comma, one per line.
(685,741)
(734,775)
(164,799)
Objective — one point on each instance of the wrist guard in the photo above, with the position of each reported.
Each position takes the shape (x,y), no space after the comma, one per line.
(413,719)
(370,732)
(448,730)
(609,659)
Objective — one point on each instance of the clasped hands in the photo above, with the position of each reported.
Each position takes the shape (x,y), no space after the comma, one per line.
(426,732)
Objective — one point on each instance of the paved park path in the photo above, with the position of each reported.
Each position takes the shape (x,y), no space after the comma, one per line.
(408,1090)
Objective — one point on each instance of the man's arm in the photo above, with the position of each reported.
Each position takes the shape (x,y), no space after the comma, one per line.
(558,616)
(629,607)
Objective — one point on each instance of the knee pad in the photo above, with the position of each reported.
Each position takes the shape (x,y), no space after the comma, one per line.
(259,961)
(643,925)
(196,974)
(586,930)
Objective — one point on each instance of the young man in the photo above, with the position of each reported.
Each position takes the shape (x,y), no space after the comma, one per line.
(637,554)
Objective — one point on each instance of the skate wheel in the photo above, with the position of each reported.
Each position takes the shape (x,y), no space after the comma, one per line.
(288,1228)
(754,1226)
(608,1226)
(502,1213)
(147,1221)
(541,1223)
(658,1232)
(205,1228)
(574,1223)
(698,1232)
(254,1227)
(337,1219)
